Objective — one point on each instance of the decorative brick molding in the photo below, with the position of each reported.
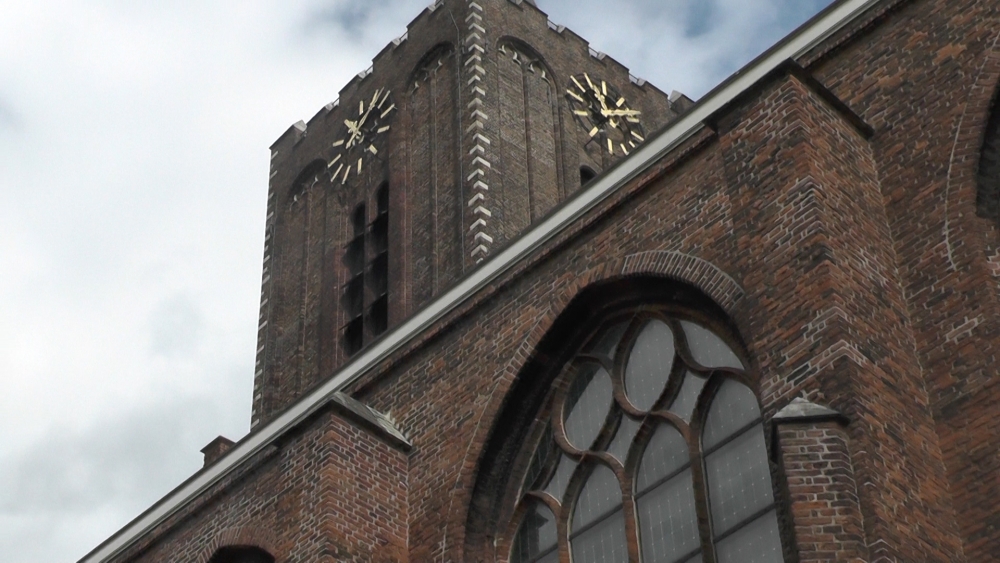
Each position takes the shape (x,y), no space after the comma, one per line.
(704,275)
(478,157)
(243,536)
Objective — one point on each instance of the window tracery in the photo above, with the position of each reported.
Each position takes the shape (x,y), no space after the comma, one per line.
(652,450)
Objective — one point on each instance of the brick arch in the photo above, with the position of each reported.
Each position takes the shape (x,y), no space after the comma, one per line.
(526,48)
(961,187)
(699,273)
(243,536)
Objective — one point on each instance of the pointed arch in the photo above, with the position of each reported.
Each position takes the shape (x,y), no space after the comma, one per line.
(250,541)
(623,307)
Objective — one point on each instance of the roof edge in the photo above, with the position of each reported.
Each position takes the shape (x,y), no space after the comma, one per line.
(806,37)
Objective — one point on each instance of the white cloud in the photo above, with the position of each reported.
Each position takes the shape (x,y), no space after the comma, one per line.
(133,175)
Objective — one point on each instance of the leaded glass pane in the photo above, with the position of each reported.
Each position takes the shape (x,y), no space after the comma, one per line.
(546,449)
(627,430)
(599,496)
(535,535)
(604,543)
(649,364)
(557,485)
(733,407)
(666,453)
(607,344)
(708,349)
(668,524)
(739,479)
(686,400)
(587,405)
(757,542)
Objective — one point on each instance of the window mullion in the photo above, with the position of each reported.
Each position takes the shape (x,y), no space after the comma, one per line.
(701,500)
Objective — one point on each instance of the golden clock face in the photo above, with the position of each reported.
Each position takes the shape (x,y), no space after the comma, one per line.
(605,115)
(360,137)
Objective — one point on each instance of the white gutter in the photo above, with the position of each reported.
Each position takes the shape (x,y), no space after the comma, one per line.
(798,43)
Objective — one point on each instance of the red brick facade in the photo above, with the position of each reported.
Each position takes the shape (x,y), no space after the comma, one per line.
(825,219)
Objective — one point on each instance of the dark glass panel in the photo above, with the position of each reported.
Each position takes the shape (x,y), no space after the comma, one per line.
(626,432)
(354,256)
(708,349)
(358,220)
(649,364)
(354,336)
(757,542)
(354,297)
(587,405)
(380,274)
(604,543)
(560,478)
(668,523)
(535,535)
(739,479)
(733,407)
(607,343)
(586,175)
(666,453)
(380,234)
(686,400)
(599,496)
(378,315)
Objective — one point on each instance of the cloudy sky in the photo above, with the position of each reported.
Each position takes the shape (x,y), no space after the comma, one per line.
(133,174)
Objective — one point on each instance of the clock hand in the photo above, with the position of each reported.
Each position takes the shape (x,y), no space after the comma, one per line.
(620,112)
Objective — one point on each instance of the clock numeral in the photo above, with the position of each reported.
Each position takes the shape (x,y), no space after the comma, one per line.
(383,129)
(594,132)
(338,143)
(334,161)
(611,147)
(337,173)
(638,136)
(372,149)
(386,112)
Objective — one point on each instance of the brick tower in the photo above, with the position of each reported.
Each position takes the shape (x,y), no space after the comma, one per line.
(465,131)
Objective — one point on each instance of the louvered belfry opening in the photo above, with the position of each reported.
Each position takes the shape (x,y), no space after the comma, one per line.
(378,269)
(366,259)
(354,289)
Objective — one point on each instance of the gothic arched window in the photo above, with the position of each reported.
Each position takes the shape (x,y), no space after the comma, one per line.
(651,448)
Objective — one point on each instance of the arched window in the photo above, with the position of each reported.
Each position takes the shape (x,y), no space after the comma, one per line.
(234,554)
(650,448)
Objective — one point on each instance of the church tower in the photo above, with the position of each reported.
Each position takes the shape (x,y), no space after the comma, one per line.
(464,132)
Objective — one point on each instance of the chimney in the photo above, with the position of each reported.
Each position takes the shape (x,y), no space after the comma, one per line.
(216,449)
